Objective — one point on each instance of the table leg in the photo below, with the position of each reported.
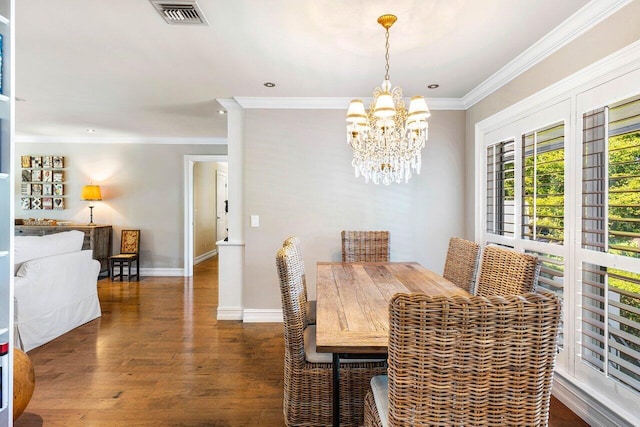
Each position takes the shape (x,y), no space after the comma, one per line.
(336,390)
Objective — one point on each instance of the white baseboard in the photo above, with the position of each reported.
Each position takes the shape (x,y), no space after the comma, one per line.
(161,272)
(205,256)
(262,315)
(229,313)
(586,406)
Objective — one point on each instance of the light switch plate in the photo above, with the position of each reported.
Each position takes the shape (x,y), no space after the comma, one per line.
(255,221)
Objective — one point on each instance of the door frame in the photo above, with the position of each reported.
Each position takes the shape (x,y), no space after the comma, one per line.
(188,239)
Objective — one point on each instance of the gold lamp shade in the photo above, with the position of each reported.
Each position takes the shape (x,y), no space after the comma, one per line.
(91,193)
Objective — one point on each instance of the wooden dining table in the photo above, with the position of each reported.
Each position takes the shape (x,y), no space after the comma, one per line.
(352,318)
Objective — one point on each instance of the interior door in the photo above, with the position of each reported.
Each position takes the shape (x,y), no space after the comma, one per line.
(221,205)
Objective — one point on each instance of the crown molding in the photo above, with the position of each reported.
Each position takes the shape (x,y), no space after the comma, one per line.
(584,19)
(445,104)
(618,63)
(131,140)
(293,103)
(228,103)
(319,103)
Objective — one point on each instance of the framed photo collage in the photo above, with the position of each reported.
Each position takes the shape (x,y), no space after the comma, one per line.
(42,184)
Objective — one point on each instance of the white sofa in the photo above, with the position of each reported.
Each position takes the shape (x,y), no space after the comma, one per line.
(55,287)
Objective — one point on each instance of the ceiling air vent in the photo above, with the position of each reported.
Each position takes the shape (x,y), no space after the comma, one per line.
(180,12)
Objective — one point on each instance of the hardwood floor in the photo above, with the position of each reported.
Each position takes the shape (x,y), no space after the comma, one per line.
(159,357)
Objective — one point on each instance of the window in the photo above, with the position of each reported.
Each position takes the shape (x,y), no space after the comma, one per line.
(572,182)
(543,184)
(500,188)
(611,179)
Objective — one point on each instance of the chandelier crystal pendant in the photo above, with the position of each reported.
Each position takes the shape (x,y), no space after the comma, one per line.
(387,141)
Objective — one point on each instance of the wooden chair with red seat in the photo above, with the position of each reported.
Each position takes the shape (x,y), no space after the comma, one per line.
(129,253)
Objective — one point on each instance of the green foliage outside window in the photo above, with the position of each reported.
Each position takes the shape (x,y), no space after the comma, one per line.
(624,195)
(624,224)
(543,187)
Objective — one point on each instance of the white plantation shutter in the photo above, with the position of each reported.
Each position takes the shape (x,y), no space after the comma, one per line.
(552,279)
(610,330)
(500,188)
(611,323)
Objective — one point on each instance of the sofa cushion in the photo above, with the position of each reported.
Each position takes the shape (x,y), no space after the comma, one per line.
(31,247)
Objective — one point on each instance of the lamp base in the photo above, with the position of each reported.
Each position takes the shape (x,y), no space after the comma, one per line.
(91,216)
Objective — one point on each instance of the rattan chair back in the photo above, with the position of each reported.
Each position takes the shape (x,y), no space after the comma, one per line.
(310,305)
(308,386)
(471,360)
(507,272)
(461,264)
(290,273)
(365,246)
(294,241)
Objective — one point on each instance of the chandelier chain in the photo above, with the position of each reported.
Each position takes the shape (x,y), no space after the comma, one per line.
(386,56)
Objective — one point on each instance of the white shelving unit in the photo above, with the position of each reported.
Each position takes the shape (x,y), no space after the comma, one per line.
(7,189)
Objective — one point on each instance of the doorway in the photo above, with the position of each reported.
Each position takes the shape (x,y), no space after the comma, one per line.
(189,206)
(222,205)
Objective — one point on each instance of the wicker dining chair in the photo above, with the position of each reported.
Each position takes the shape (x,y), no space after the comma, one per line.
(467,361)
(506,272)
(365,246)
(308,376)
(461,264)
(310,305)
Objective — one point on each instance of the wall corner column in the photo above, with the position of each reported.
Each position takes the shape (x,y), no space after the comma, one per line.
(231,252)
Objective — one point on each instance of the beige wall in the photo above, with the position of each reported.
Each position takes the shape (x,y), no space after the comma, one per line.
(612,34)
(142,187)
(205,198)
(299,180)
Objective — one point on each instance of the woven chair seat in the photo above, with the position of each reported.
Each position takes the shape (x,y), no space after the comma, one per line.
(124,256)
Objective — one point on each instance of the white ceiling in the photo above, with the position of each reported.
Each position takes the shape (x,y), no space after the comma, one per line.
(116,67)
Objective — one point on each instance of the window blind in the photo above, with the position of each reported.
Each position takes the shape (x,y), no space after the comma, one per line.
(611,322)
(500,188)
(594,180)
(552,279)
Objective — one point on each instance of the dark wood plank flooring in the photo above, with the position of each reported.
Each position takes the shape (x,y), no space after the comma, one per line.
(159,357)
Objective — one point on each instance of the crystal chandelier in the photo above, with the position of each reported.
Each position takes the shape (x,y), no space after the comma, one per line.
(387,141)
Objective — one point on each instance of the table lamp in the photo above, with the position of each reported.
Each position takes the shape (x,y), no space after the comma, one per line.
(91,193)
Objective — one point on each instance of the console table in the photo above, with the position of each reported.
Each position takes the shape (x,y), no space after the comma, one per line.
(96,237)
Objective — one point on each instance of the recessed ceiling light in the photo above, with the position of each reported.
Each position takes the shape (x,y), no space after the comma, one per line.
(90,130)
(222,112)
(433,86)
(269,84)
